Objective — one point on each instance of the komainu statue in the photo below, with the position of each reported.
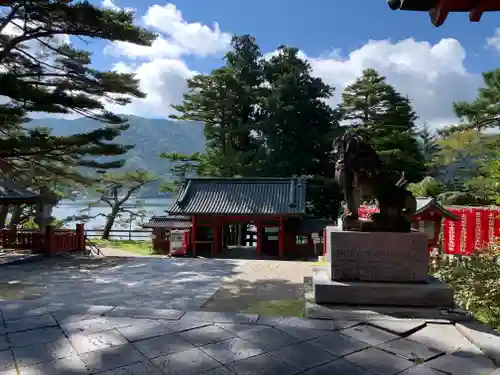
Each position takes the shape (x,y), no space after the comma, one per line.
(361,174)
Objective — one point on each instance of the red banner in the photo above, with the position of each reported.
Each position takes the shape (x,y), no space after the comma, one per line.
(476,227)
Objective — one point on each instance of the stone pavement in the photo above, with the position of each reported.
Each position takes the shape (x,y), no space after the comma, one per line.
(158,283)
(141,317)
(107,340)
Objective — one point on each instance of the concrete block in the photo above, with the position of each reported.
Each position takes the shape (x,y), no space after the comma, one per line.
(433,293)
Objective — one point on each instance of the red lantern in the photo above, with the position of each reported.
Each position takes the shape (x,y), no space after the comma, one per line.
(439,9)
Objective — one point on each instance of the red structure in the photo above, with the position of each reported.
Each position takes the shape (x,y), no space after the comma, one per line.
(50,242)
(464,229)
(220,207)
(439,9)
(477,227)
(163,227)
(428,218)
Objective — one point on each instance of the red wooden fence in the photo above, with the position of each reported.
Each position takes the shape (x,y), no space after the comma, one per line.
(53,241)
(476,228)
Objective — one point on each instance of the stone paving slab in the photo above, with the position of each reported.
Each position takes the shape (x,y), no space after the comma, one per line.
(482,337)
(183,284)
(66,334)
(121,345)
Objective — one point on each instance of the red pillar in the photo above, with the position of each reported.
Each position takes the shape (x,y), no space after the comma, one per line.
(48,246)
(193,235)
(260,238)
(440,12)
(80,237)
(281,238)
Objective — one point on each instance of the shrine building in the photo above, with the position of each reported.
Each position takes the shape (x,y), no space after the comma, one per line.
(212,211)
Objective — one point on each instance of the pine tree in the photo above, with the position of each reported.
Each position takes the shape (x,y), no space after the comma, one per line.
(298,129)
(298,121)
(484,111)
(41,73)
(429,147)
(385,119)
(226,101)
(116,190)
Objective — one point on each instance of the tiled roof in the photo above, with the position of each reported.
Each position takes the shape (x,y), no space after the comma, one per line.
(11,191)
(423,204)
(241,196)
(169,222)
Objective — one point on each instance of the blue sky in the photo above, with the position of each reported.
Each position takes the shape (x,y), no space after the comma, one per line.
(420,60)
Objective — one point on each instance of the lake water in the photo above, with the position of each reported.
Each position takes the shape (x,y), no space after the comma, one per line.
(153,207)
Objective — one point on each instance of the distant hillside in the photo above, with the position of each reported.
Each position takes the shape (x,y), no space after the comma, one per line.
(454,174)
(151,137)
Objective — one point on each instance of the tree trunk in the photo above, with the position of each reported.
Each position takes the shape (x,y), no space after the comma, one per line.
(110,220)
(15,219)
(4,212)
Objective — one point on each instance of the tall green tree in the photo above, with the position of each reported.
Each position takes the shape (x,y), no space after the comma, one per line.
(428,140)
(298,121)
(41,71)
(298,127)
(484,111)
(226,101)
(386,119)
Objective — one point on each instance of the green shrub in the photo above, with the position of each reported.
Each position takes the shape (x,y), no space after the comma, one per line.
(476,282)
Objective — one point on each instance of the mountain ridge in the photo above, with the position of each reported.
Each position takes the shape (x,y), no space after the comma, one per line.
(151,137)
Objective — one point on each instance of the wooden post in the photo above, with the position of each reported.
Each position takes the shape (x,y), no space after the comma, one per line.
(80,237)
(281,238)
(193,236)
(49,241)
(260,238)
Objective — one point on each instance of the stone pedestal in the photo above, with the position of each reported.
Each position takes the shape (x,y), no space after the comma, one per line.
(378,268)
(429,293)
(377,256)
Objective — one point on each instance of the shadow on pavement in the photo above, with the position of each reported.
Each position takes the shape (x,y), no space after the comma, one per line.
(61,336)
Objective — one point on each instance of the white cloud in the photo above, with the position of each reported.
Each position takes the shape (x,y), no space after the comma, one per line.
(177,37)
(494,41)
(164,80)
(432,76)
(109,4)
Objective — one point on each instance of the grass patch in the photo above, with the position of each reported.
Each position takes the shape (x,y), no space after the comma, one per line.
(138,247)
(320,263)
(277,308)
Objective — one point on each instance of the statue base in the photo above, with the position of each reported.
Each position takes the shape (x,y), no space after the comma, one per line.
(378,268)
(431,292)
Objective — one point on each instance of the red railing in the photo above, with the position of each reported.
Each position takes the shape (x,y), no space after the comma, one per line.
(52,241)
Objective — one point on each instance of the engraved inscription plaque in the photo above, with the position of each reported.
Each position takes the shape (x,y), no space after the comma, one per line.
(378,256)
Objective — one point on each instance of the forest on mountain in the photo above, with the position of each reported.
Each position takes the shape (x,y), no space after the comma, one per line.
(150,137)
(253,116)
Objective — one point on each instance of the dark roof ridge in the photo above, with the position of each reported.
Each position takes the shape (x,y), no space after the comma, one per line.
(241,179)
